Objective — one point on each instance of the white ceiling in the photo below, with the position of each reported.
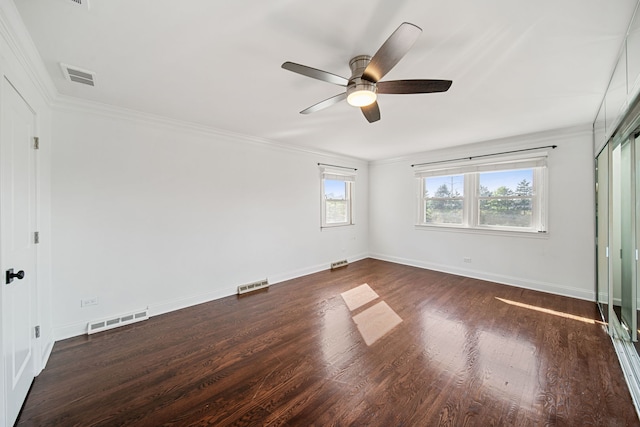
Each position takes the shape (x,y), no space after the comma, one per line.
(518,66)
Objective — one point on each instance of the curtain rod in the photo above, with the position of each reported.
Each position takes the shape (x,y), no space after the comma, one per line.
(484,155)
(336,166)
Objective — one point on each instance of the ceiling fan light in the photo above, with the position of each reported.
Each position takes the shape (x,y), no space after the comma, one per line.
(361,98)
(361,93)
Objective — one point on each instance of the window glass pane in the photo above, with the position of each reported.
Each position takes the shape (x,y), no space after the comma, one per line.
(444,186)
(336,211)
(513,212)
(438,211)
(506,198)
(335,190)
(506,183)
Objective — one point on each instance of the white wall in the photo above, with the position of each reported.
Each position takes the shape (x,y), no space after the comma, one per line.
(166,216)
(561,262)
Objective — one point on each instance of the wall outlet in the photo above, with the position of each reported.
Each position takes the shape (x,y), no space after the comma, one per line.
(465,259)
(89,301)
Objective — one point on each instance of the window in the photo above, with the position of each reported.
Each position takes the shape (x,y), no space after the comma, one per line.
(444,199)
(505,198)
(507,195)
(337,197)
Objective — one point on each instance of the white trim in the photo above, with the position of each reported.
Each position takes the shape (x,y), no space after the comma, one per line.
(492,231)
(337,174)
(519,282)
(74,105)
(349,184)
(628,366)
(13,31)
(162,307)
(471,192)
(481,148)
(502,163)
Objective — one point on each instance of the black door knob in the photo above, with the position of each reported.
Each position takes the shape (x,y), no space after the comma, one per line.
(11,275)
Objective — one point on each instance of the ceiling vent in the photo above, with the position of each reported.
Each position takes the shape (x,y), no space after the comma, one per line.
(78,75)
(83,3)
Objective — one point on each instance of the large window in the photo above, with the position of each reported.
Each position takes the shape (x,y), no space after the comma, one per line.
(337,197)
(507,195)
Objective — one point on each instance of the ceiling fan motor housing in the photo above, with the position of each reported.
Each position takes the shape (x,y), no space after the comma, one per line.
(358,86)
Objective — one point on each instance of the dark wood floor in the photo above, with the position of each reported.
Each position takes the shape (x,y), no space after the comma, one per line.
(294,356)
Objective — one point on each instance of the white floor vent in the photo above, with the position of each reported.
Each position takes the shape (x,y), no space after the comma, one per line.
(116,321)
(249,287)
(338,264)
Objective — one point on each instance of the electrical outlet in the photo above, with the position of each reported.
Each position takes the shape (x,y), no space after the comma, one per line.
(467,260)
(89,301)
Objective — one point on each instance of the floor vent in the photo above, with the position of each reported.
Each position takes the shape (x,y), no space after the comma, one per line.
(338,264)
(249,287)
(78,75)
(116,321)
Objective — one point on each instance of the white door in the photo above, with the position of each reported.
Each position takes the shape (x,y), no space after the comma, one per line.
(17,226)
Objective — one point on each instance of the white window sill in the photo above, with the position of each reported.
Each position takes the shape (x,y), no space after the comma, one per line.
(335,227)
(488,231)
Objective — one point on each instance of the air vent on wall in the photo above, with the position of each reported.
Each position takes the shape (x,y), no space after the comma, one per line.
(339,264)
(116,321)
(250,287)
(78,75)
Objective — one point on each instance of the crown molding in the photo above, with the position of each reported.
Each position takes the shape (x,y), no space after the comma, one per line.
(479,148)
(77,105)
(14,32)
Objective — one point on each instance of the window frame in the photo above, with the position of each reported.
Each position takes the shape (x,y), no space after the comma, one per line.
(471,172)
(349,178)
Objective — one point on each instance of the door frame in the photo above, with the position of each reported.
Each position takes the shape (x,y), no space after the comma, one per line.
(36,360)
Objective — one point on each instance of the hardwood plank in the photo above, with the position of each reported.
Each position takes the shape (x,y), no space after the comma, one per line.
(467,353)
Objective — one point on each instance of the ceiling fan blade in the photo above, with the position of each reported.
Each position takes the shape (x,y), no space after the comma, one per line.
(413,86)
(371,112)
(315,73)
(392,51)
(325,104)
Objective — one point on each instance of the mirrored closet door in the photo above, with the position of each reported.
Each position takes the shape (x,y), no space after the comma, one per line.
(602,233)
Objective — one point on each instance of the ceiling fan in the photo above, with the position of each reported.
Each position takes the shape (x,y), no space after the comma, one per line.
(366,71)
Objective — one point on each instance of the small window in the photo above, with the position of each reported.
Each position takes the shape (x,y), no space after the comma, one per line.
(337,198)
(507,195)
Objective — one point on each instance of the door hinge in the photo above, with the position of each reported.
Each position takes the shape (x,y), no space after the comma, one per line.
(36,143)
(36,237)
(37,328)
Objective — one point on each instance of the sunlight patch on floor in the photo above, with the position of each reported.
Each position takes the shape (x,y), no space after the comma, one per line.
(357,297)
(374,322)
(552,312)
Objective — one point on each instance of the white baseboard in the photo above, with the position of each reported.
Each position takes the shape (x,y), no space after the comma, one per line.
(310,270)
(46,354)
(156,309)
(553,288)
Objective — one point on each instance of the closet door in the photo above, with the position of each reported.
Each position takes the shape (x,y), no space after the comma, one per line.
(628,238)
(602,233)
